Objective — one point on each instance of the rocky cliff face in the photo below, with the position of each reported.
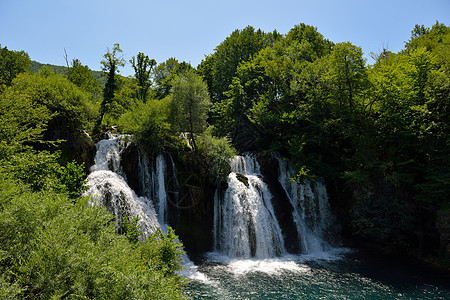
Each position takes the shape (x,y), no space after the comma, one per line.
(190,207)
(282,207)
(191,199)
(195,206)
(130,162)
(81,148)
(443,227)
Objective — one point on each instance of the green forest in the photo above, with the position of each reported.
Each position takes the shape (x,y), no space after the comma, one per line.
(377,134)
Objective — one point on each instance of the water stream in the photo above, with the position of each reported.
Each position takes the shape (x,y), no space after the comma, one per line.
(108,187)
(311,210)
(245,222)
(250,262)
(249,259)
(343,275)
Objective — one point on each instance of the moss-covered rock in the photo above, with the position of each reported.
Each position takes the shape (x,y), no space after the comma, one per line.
(78,146)
(242,178)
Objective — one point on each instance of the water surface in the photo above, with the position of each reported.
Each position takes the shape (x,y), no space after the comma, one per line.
(333,275)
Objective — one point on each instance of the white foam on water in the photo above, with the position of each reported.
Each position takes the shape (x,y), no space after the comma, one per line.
(191,271)
(332,254)
(271,266)
(275,266)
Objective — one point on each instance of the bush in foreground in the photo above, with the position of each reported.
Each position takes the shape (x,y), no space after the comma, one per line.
(51,247)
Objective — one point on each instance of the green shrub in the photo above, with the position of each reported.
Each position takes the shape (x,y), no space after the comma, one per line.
(163,251)
(37,169)
(21,121)
(51,247)
(70,106)
(73,179)
(148,123)
(131,229)
(217,153)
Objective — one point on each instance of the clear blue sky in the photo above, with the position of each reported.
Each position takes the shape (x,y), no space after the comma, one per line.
(189,30)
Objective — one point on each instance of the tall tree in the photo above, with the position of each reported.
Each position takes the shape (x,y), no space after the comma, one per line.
(11,64)
(219,68)
(142,66)
(347,74)
(110,63)
(166,72)
(82,77)
(307,34)
(190,104)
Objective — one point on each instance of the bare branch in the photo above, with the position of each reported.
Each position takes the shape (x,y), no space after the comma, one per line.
(69,71)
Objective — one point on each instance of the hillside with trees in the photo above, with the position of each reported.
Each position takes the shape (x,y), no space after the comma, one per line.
(378,135)
(36,66)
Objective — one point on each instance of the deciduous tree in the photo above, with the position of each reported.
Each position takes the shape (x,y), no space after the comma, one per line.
(189,105)
(165,74)
(110,63)
(347,74)
(82,77)
(143,66)
(11,64)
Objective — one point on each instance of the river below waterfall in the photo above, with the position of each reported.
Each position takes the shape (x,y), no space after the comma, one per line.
(250,258)
(338,275)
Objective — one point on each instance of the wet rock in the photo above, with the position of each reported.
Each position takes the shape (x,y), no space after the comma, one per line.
(443,227)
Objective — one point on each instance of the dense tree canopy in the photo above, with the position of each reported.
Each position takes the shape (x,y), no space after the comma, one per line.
(219,68)
(82,76)
(70,107)
(165,73)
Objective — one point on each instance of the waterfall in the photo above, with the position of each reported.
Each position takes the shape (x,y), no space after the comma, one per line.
(245,224)
(311,210)
(107,156)
(108,187)
(162,196)
(154,181)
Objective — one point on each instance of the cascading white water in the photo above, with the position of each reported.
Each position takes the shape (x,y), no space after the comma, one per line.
(107,156)
(108,187)
(245,224)
(162,195)
(153,183)
(311,210)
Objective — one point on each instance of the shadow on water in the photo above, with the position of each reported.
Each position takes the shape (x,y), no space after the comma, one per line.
(354,275)
(394,272)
